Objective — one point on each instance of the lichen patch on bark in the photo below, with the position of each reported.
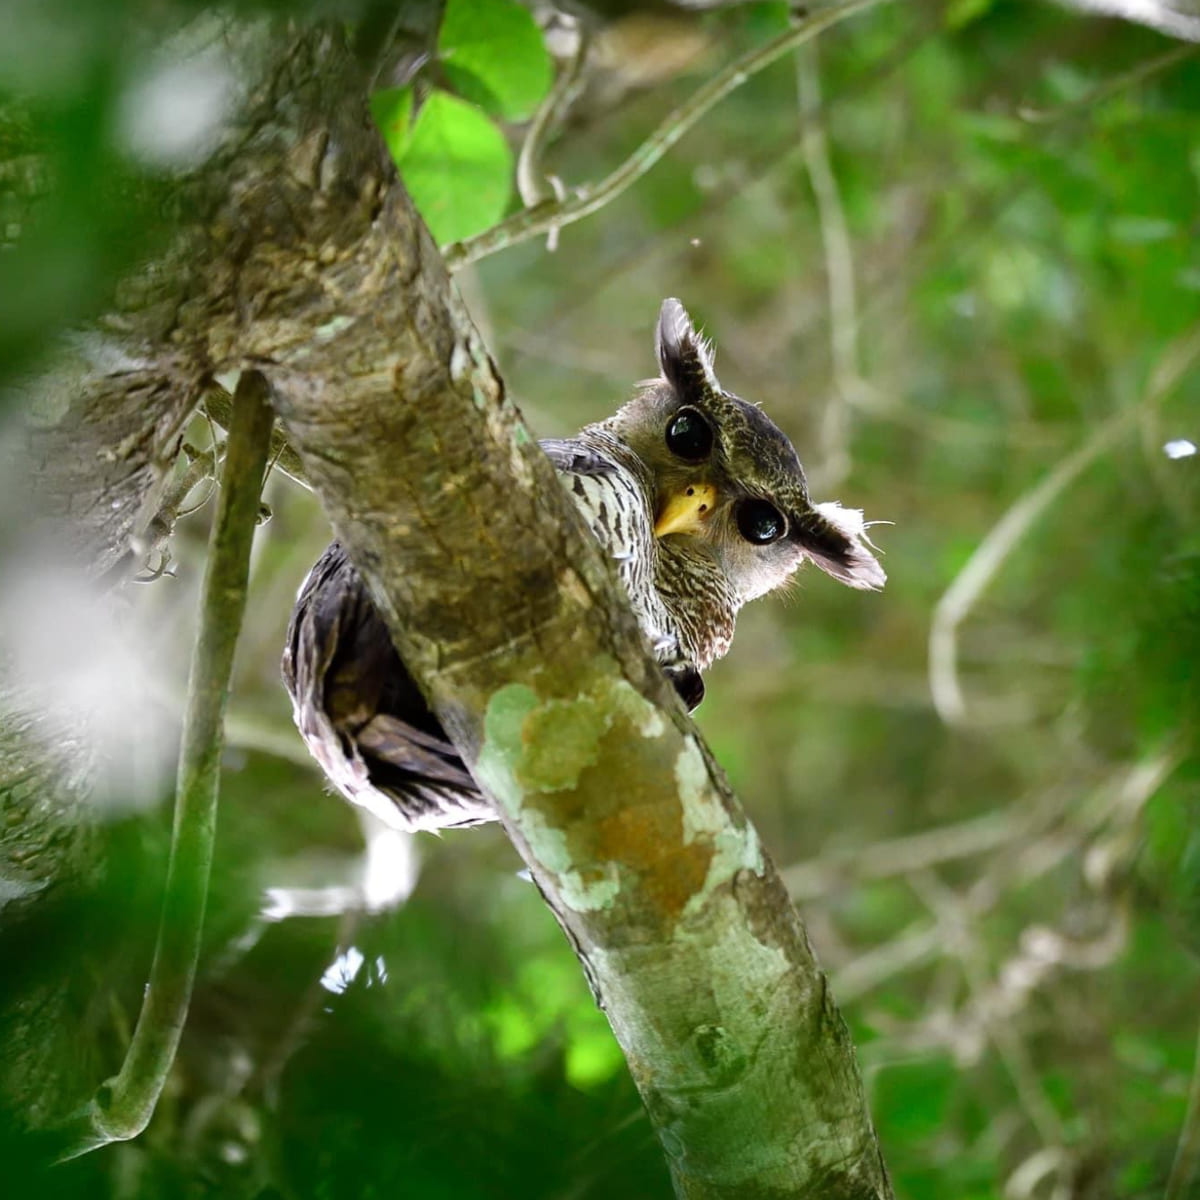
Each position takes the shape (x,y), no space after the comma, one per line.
(550,761)
(706,822)
(496,766)
(559,740)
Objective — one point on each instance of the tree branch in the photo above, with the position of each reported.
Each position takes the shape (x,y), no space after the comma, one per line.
(504,610)
(532,184)
(123,1106)
(1185,1170)
(839,274)
(218,404)
(1108,88)
(1003,538)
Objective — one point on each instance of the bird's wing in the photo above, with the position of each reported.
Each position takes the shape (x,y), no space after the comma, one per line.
(360,713)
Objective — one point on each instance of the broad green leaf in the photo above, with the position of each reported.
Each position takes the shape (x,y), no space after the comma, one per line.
(457,168)
(493,53)
(392,110)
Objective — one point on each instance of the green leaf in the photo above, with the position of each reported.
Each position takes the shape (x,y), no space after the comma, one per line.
(493,53)
(457,167)
(392,109)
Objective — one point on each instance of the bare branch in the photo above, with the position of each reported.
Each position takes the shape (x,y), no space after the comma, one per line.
(839,272)
(531,183)
(554,214)
(1109,87)
(1186,1168)
(218,404)
(994,550)
(916,851)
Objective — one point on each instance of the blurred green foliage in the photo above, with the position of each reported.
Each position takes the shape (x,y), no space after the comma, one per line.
(1022,215)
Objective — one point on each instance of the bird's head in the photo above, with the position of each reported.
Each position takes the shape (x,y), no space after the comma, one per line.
(725,475)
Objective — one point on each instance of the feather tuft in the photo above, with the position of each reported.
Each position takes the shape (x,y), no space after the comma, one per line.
(848,555)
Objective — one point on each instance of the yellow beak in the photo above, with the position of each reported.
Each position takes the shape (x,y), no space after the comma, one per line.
(685,511)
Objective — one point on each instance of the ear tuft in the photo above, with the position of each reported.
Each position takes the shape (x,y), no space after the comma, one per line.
(684,357)
(835,538)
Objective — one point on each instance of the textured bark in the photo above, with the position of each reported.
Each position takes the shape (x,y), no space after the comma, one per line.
(298,252)
(273,252)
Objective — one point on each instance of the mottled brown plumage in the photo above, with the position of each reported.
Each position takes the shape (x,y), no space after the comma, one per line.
(702,505)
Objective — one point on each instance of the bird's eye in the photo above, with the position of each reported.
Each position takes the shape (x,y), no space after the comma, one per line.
(760,522)
(689,435)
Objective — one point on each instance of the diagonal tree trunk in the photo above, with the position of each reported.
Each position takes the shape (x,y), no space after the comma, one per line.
(504,610)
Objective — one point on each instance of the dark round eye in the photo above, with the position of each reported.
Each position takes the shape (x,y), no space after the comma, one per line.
(689,435)
(760,522)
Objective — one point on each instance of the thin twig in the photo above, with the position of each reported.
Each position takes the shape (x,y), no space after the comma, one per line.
(249,731)
(124,1104)
(916,851)
(1040,1165)
(202,465)
(839,272)
(1013,1052)
(1109,87)
(218,404)
(760,168)
(994,550)
(1120,798)
(531,182)
(915,946)
(552,214)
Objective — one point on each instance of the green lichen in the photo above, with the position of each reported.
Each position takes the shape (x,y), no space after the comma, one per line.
(561,739)
(705,819)
(691,778)
(537,747)
(544,746)
(626,701)
(502,750)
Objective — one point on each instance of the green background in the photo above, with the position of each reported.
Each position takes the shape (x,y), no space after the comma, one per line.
(1026,258)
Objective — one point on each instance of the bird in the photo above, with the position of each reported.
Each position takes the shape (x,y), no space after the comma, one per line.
(701,505)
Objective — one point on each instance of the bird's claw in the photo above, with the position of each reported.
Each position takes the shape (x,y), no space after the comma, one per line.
(687,682)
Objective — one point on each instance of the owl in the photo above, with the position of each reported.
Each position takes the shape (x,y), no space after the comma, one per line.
(698,500)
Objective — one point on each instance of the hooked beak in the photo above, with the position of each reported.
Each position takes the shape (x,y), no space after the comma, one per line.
(685,510)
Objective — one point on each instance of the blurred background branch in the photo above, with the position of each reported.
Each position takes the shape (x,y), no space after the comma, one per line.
(992,552)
